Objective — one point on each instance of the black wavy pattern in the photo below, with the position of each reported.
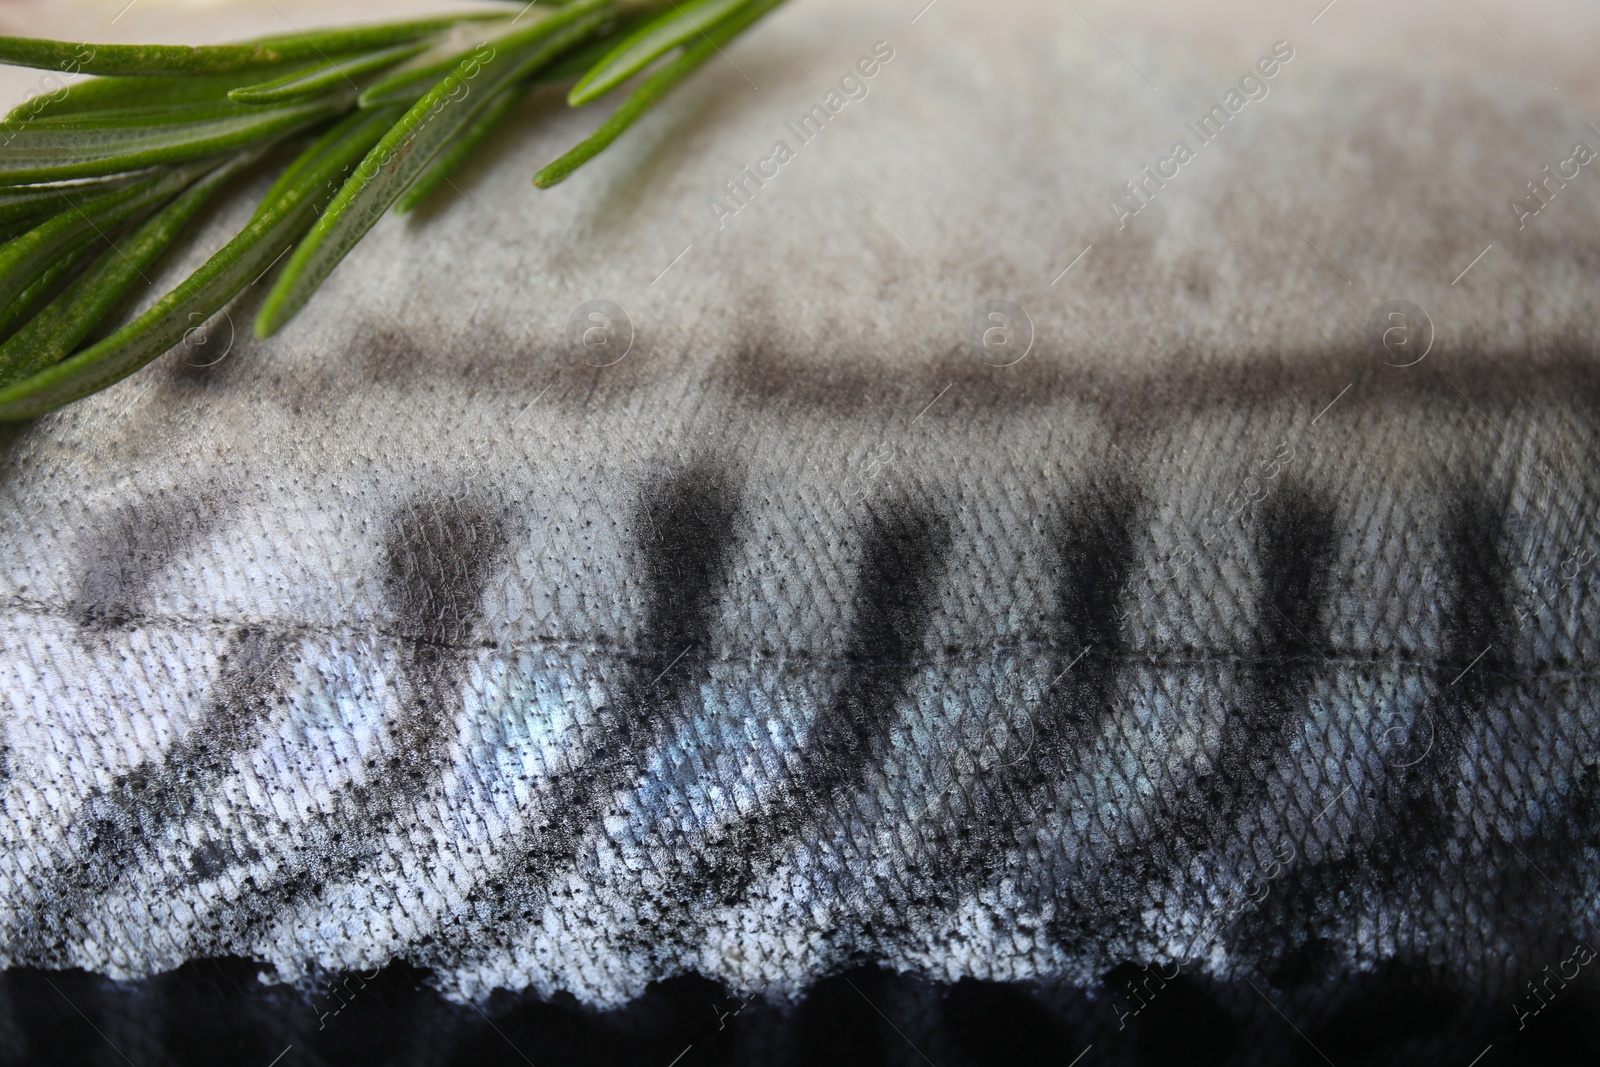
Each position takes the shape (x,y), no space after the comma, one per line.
(1310,1009)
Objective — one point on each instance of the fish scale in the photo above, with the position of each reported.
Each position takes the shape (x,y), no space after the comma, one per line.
(1187,747)
(806,644)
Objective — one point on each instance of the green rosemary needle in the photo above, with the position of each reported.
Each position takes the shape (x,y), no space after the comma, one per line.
(649,43)
(52,334)
(407,149)
(136,59)
(323,77)
(23,259)
(207,290)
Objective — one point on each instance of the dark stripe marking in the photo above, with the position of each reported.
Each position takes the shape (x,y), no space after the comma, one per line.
(904,554)
(129,550)
(1298,537)
(120,826)
(1417,800)
(1094,548)
(685,524)
(1295,551)
(439,555)
(1477,668)
(438,559)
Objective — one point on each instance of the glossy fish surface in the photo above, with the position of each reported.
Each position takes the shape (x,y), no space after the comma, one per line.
(1000,548)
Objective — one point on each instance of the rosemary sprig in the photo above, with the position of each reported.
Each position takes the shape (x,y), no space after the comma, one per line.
(654,88)
(322,77)
(649,43)
(161,59)
(23,259)
(38,291)
(208,289)
(99,180)
(405,151)
(51,335)
(477,131)
(115,143)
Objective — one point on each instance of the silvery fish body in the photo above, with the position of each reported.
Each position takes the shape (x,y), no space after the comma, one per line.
(979,540)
